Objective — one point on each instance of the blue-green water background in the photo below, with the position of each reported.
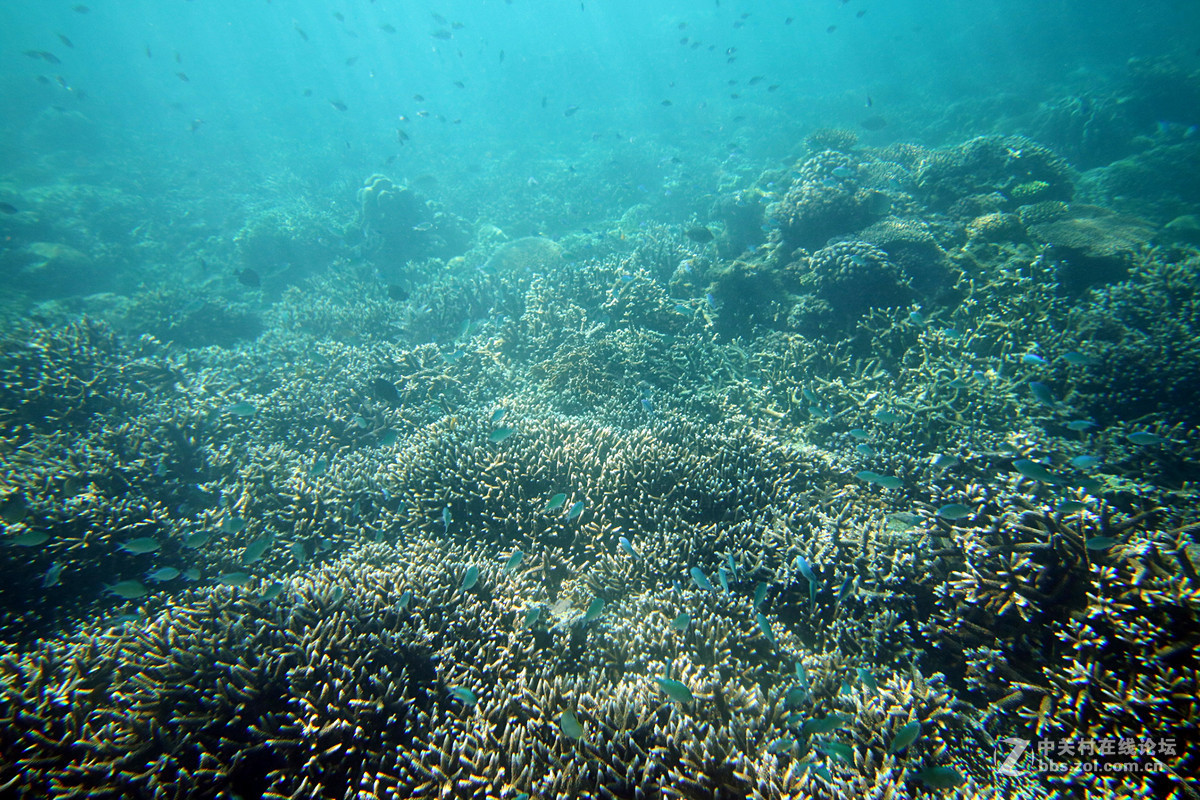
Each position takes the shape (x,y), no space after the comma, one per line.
(262,78)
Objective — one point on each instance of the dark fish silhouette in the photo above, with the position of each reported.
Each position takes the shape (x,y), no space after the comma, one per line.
(699,234)
(8,208)
(875,123)
(249,277)
(386,391)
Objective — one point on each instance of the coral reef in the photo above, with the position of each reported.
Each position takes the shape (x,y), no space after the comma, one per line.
(824,201)
(398,225)
(618,514)
(1012,166)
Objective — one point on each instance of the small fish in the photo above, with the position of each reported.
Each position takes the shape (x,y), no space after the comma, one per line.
(8,208)
(822,725)
(385,391)
(1036,472)
(463,695)
(500,434)
(723,578)
(867,679)
(760,594)
(859,433)
(1041,392)
(498,415)
(531,615)
(1100,543)
(446,519)
(65,40)
(15,509)
(570,110)
(405,599)
(556,501)
(470,578)
(627,546)
(805,569)
(681,622)
(513,562)
(1143,438)
(387,27)
(916,318)
(256,549)
(838,750)
(1077,359)
(875,123)
(943,461)
(162,574)
(940,777)
(298,552)
(339,105)
(594,609)
(1079,425)
(906,735)
(885,416)
(575,510)
(889,482)
(273,591)
(700,579)
(243,408)
(234,579)
(1033,359)
(52,576)
(1085,462)
(318,468)
(764,625)
(183,77)
(233,525)
(699,234)
(143,544)
(906,519)
(80,9)
(1070,507)
(954,511)
(732,565)
(128,590)
(678,692)
(570,725)
(191,574)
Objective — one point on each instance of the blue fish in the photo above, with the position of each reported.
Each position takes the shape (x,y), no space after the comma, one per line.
(1041,392)
(627,546)
(806,570)
(1034,359)
(701,580)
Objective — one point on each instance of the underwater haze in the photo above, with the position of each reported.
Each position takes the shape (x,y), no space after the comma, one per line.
(524,399)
